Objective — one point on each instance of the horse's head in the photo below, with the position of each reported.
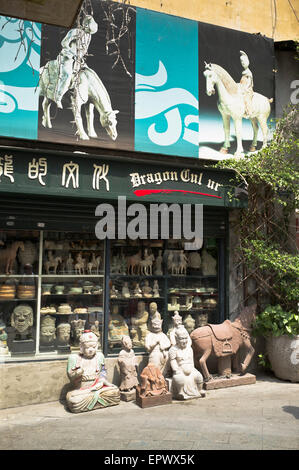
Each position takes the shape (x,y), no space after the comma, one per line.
(246,317)
(109,122)
(210,79)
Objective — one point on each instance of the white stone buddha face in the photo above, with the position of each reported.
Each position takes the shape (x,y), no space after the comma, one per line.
(89,349)
(182,341)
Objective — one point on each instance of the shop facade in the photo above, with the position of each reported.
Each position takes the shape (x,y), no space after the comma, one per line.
(137,165)
(58,278)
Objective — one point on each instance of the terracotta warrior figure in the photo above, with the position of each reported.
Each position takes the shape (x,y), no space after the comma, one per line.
(157,344)
(147,290)
(91,389)
(246,83)
(127,362)
(187,381)
(139,325)
(153,311)
(117,327)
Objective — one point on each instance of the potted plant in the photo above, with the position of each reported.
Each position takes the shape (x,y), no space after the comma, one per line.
(281,332)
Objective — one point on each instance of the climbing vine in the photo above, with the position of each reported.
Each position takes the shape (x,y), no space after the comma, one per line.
(267,240)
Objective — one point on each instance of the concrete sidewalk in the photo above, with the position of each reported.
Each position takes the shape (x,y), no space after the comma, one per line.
(261,416)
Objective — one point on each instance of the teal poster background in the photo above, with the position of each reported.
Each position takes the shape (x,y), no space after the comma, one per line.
(19,75)
(166,84)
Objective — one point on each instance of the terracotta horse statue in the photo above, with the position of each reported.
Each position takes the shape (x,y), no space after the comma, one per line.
(9,254)
(224,342)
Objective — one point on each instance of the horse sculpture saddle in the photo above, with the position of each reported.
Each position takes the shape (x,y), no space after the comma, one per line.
(222,338)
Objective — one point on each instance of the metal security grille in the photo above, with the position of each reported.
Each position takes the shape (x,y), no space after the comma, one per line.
(79,215)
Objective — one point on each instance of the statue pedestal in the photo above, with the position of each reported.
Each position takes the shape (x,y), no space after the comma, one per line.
(233,381)
(63,348)
(23,346)
(147,402)
(128,396)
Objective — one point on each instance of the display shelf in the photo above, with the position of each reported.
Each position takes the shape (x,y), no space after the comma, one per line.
(75,276)
(153,299)
(71,295)
(18,300)
(17,276)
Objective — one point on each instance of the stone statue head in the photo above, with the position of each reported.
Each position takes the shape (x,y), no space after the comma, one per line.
(126,343)
(181,337)
(140,307)
(78,328)
(63,332)
(156,325)
(189,323)
(22,318)
(88,344)
(177,319)
(47,329)
(153,307)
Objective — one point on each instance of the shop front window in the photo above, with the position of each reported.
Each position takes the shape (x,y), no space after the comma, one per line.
(50,291)
(54,285)
(152,278)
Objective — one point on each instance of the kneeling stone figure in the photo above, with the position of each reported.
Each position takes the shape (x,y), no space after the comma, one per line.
(187,381)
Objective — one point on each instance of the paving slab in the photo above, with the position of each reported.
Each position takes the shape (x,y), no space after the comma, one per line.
(260,416)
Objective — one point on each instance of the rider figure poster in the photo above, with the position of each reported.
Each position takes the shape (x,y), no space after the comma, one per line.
(133,79)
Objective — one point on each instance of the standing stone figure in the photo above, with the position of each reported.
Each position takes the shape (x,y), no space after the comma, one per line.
(157,344)
(91,389)
(127,362)
(187,381)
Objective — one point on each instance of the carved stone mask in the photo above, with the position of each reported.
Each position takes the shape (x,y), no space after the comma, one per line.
(63,332)
(22,318)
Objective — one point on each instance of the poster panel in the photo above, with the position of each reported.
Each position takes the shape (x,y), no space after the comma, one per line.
(19,76)
(166,84)
(236,90)
(87,79)
(134,79)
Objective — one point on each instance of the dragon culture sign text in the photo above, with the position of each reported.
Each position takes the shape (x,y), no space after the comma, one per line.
(155,221)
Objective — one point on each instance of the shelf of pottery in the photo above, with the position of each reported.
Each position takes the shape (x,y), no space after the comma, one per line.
(18,291)
(50,289)
(195,294)
(159,279)
(71,292)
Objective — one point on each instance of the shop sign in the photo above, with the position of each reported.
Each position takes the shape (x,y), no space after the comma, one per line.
(134,79)
(72,176)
